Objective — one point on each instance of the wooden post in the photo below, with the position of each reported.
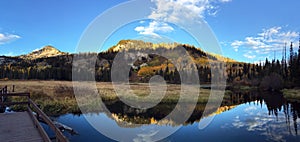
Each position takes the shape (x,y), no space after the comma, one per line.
(37,114)
(1,92)
(2,97)
(28,97)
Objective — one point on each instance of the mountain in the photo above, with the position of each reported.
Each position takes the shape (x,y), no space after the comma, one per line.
(50,63)
(139,45)
(125,45)
(45,52)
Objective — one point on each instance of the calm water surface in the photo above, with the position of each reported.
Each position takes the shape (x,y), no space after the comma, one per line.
(243,117)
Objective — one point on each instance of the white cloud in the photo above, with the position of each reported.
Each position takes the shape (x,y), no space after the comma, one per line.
(179,12)
(224,1)
(266,42)
(249,55)
(175,11)
(236,44)
(6,38)
(154,28)
(145,137)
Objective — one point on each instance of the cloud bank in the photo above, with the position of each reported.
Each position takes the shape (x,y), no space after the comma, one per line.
(6,38)
(177,12)
(266,42)
(154,28)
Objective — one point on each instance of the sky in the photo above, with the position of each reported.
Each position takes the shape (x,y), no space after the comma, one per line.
(246,31)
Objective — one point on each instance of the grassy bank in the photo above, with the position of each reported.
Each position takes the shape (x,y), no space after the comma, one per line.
(54,97)
(57,97)
(292,94)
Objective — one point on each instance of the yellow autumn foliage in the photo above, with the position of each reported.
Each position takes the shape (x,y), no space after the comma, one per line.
(151,70)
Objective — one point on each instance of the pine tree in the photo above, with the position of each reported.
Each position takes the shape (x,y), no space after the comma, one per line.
(291,54)
(166,73)
(292,63)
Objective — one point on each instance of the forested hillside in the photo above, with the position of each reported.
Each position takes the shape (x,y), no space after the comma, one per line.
(52,64)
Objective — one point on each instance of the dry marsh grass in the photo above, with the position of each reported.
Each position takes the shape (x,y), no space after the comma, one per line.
(291,94)
(57,97)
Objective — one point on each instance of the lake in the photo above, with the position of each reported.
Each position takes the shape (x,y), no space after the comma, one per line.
(244,117)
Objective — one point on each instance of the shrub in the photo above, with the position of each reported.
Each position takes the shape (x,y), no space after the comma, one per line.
(272,82)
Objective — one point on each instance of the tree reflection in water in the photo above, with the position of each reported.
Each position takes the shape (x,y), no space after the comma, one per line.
(127,116)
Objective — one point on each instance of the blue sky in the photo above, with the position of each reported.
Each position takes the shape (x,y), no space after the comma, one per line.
(247,31)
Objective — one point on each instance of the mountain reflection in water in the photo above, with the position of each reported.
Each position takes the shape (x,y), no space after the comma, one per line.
(252,116)
(274,102)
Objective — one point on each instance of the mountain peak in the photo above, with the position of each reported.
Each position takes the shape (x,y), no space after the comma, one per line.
(44,52)
(140,44)
(49,48)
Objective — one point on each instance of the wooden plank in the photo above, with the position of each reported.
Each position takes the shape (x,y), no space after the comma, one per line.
(59,136)
(12,103)
(18,126)
(38,125)
(15,94)
(34,122)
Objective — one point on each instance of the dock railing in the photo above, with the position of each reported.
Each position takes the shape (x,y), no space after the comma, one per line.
(39,114)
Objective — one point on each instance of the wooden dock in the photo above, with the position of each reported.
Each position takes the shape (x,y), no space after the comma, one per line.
(24,126)
(18,126)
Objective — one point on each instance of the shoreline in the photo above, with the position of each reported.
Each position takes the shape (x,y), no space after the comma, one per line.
(57,97)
